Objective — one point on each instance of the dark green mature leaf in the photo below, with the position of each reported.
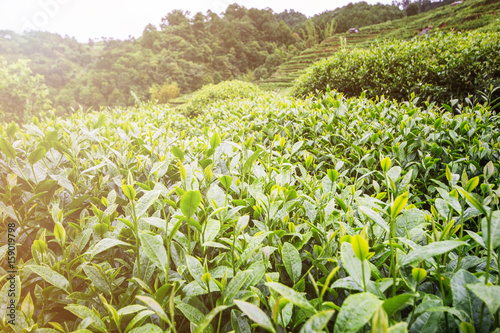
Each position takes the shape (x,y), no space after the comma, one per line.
(37,155)
(353,265)
(466,301)
(248,163)
(51,276)
(153,305)
(103,245)
(292,261)
(192,314)
(178,153)
(490,295)
(145,202)
(195,269)
(394,304)
(356,311)
(189,203)
(256,314)
(83,312)
(155,250)
(317,322)
(235,285)
(148,328)
(375,217)
(291,295)
(208,318)
(431,250)
(238,323)
(495,229)
(7,148)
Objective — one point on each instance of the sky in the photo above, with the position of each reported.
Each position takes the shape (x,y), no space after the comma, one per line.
(119,19)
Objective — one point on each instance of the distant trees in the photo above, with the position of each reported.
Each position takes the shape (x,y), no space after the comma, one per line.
(190,50)
(21,93)
(411,9)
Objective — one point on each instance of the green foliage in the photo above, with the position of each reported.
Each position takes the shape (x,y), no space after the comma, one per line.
(268,213)
(165,92)
(22,94)
(210,94)
(412,9)
(439,69)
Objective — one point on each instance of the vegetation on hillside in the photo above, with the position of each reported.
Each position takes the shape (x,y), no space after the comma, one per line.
(470,15)
(184,53)
(22,94)
(438,69)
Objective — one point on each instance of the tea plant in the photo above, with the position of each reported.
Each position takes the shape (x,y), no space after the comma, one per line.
(267,214)
(440,68)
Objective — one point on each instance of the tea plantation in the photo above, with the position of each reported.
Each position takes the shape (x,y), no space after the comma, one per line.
(266,214)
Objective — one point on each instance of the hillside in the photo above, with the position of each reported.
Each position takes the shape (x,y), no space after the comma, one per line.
(470,15)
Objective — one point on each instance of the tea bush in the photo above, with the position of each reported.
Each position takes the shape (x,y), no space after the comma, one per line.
(265,214)
(211,93)
(438,68)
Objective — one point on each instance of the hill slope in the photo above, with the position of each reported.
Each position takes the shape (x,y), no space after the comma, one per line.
(470,15)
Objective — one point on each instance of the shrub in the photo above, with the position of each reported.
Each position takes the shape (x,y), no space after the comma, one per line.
(439,68)
(412,9)
(211,93)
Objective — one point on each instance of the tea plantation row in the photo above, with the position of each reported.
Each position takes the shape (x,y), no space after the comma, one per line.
(266,214)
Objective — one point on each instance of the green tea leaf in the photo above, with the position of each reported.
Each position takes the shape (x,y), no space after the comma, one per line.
(248,163)
(83,312)
(148,328)
(356,311)
(37,155)
(153,305)
(292,261)
(256,314)
(431,250)
(495,229)
(291,295)
(396,303)
(129,192)
(399,204)
(7,148)
(353,265)
(103,245)
(189,203)
(51,276)
(238,323)
(155,250)
(375,217)
(317,322)
(208,318)
(490,295)
(145,202)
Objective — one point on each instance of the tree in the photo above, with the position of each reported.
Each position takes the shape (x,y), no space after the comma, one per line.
(21,93)
(412,9)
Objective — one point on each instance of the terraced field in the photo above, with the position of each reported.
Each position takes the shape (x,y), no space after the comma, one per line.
(467,16)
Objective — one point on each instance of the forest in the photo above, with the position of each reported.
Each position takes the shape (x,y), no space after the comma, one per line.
(179,56)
